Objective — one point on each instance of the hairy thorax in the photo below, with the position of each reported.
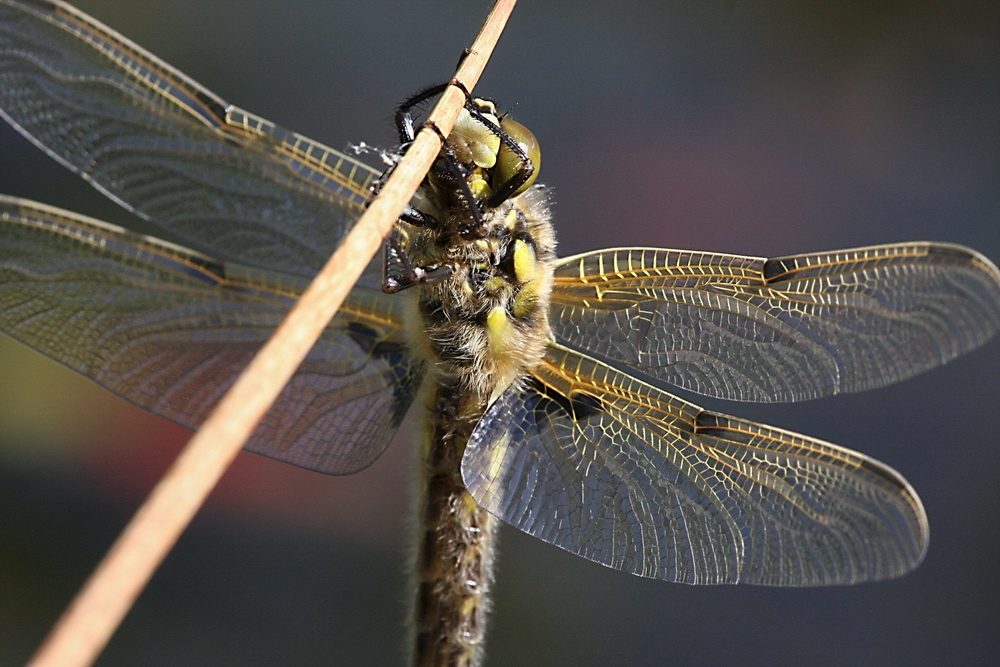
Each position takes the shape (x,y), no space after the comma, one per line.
(488,322)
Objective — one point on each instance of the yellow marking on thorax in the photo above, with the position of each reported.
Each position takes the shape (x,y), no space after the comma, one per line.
(500,331)
(525,262)
(510,220)
(525,270)
(494,285)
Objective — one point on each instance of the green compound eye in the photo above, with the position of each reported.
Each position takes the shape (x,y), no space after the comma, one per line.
(509,164)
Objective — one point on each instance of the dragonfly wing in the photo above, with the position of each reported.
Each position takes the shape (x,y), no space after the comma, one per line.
(230,183)
(170,329)
(615,470)
(785,329)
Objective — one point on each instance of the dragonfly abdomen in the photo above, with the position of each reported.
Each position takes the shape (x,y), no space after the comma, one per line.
(456,542)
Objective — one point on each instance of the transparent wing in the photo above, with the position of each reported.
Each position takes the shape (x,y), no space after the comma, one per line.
(232,184)
(615,470)
(170,329)
(785,329)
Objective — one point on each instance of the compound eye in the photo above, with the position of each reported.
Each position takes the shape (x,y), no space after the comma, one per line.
(509,165)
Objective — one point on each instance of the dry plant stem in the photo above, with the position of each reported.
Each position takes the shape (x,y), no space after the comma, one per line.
(87,624)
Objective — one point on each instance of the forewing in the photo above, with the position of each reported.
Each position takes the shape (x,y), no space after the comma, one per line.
(615,470)
(785,329)
(232,184)
(170,329)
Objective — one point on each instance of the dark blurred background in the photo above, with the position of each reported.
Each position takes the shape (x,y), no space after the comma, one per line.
(759,128)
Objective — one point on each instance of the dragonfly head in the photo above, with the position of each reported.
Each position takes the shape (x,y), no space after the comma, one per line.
(485,142)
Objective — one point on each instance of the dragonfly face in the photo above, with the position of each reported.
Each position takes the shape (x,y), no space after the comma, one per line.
(589,450)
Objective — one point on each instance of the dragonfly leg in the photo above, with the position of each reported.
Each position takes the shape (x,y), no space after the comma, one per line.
(418,218)
(404,115)
(409,275)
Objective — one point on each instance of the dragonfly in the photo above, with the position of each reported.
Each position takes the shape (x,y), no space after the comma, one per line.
(582,444)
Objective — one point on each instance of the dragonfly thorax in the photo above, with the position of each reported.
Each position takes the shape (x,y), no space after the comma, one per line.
(488,322)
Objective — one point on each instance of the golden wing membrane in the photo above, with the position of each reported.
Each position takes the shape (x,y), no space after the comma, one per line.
(168,149)
(170,329)
(613,469)
(784,329)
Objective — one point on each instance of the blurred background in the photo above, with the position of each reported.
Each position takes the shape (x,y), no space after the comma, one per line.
(760,128)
